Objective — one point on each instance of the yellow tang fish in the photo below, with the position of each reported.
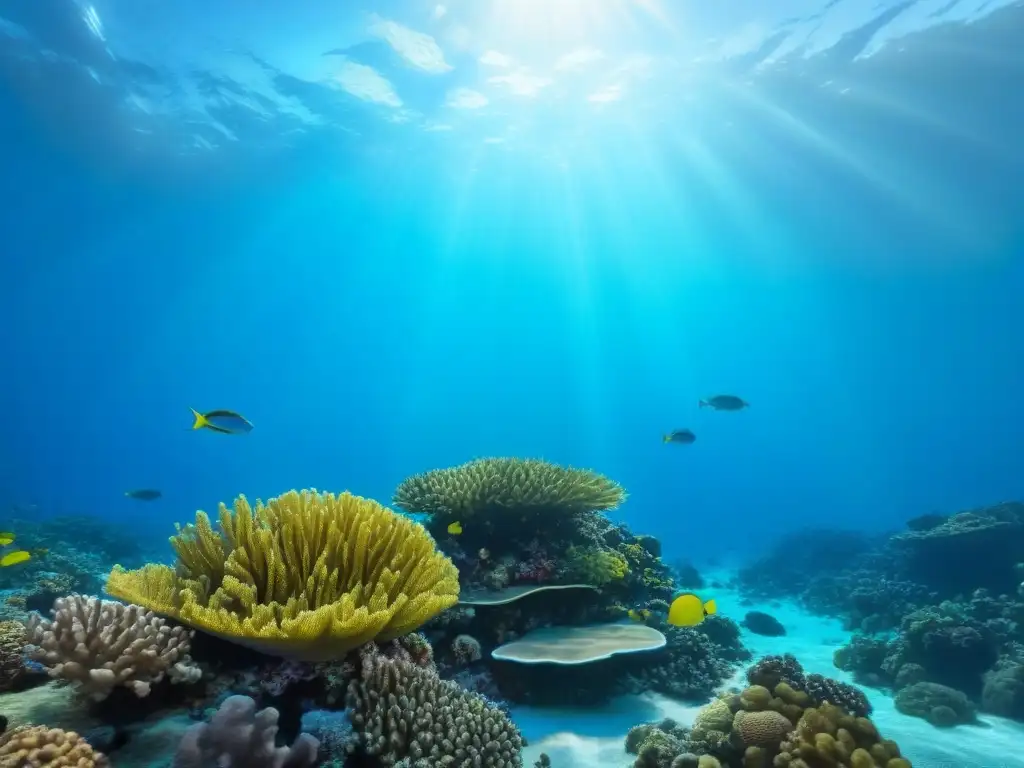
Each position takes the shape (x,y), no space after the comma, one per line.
(13,558)
(6,538)
(639,615)
(688,610)
(455,528)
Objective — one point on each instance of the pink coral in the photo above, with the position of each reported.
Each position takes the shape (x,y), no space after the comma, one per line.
(537,565)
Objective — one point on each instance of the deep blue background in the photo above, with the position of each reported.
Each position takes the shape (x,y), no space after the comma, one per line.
(859,282)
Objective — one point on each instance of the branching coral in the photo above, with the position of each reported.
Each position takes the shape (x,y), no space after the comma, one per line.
(36,746)
(405,712)
(238,735)
(460,493)
(101,644)
(307,575)
(590,565)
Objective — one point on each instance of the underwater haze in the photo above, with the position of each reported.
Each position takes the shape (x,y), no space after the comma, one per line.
(604,300)
(403,235)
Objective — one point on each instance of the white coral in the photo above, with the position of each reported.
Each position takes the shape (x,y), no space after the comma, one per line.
(101,644)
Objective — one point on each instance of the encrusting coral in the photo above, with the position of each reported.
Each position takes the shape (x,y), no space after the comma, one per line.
(239,736)
(404,712)
(307,575)
(36,746)
(12,668)
(100,644)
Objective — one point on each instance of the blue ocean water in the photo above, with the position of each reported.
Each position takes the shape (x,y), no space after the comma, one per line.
(401,235)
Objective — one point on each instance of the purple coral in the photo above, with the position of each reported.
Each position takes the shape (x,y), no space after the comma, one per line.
(241,737)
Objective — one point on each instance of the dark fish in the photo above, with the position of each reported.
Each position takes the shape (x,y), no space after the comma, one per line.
(144,494)
(225,422)
(725,403)
(684,436)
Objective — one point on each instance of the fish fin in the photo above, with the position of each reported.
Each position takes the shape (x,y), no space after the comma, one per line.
(710,608)
(199,420)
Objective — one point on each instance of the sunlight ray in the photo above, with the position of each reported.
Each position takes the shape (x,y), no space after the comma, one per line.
(895,182)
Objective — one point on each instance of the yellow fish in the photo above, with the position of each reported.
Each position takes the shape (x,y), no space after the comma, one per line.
(639,615)
(688,610)
(6,538)
(225,422)
(455,528)
(13,558)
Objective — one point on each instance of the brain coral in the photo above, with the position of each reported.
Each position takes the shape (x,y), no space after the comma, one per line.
(761,729)
(307,575)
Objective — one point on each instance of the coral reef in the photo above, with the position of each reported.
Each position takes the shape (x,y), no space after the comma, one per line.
(238,735)
(986,544)
(784,725)
(938,704)
(12,667)
(98,645)
(36,746)
(307,575)
(437,721)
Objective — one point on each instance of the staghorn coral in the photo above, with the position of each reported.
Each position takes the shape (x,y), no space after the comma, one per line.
(241,737)
(520,484)
(406,713)
(36,746)
(101,644)
(307,575)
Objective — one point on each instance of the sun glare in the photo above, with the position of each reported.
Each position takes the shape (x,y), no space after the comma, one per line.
(544,23)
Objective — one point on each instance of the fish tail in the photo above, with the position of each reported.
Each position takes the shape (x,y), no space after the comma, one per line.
(199,420)
(666,438)
(710,608)
(704,404)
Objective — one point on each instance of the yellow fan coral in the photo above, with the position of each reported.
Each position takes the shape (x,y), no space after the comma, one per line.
(307,575)
(520,484)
